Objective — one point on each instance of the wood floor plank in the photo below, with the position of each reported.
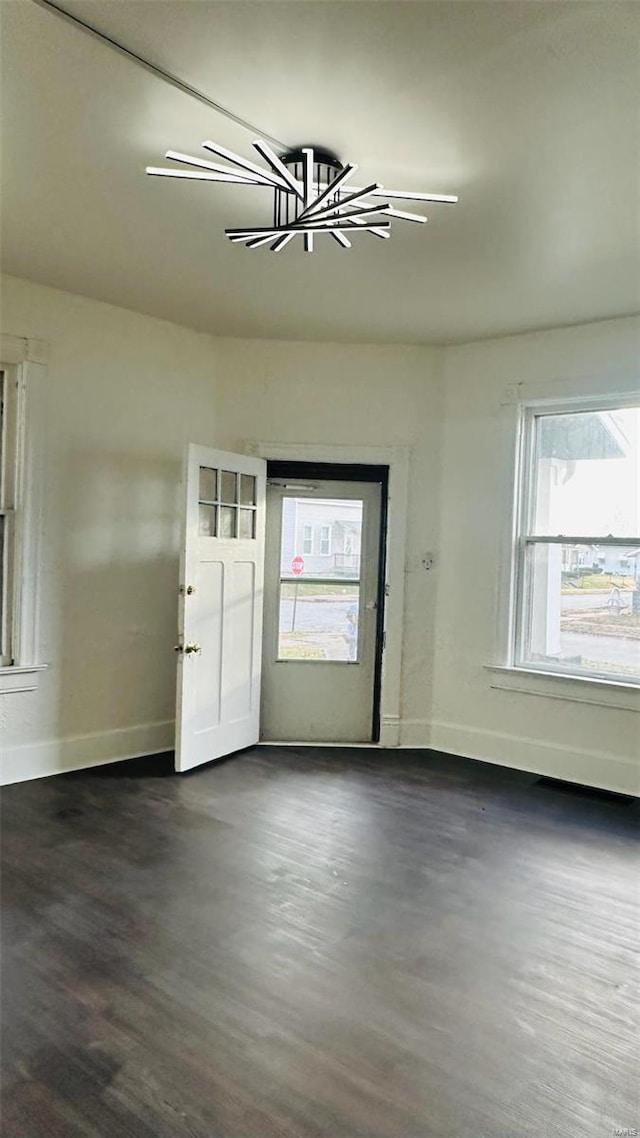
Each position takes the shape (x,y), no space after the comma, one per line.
(299,943)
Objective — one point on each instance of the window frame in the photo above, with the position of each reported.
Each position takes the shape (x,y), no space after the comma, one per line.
(522,534)
(9,465)
(24,363)
(307,537)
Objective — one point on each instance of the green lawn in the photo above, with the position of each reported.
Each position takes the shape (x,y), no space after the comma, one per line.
(572,582)
(328,589)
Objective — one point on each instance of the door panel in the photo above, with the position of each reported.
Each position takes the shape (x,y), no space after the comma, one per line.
(220,612)
(208,605)
(239,649)
(321,589)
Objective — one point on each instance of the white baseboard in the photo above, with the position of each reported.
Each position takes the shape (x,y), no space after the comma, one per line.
(37,760)
(591,768)
(390,730)
(415,733)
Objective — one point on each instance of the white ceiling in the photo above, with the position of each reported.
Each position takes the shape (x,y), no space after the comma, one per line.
(527,110)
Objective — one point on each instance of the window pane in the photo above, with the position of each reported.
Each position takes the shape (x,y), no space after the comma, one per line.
(246,523)
(337,523)
(208,484)
(582,609)
(587,477)
(247,490)
(2,568)
(207,521)
(227,521)
(318,622)
(228,486)
(2,455)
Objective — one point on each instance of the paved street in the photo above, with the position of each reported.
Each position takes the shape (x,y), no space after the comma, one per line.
(325,614)
(330,616)
(321,625)
(608,649)
(316,616)
(577,600)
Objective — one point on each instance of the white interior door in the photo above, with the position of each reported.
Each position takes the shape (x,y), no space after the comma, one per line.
(220,611)
(321,595)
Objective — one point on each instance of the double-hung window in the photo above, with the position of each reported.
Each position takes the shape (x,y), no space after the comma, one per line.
(577,561)
(307,539)
(8,488)
(22,377)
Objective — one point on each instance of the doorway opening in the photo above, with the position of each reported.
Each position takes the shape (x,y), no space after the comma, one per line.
(325,572)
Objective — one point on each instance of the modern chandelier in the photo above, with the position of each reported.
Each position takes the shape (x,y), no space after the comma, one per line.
(312,195)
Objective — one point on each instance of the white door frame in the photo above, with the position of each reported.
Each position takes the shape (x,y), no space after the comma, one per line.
(397,459)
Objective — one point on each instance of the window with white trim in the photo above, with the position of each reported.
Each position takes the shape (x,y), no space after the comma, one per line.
(307,539)
(577,562)
(22,450)
(8,481)
(325,541)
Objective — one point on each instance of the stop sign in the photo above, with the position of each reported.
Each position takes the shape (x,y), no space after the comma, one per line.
(297,565)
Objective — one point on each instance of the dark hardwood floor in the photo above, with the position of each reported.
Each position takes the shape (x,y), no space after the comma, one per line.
(318,944)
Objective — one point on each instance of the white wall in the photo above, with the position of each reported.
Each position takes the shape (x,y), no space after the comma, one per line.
(352,395)
(567,739)
(125,394)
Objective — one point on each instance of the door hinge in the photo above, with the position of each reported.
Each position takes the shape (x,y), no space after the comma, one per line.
(187,590)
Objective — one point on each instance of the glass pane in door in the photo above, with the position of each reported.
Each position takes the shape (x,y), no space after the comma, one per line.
(228,486)
(246,523)
(318,621)
(208,484)
(320,579)
(207,520)
(321,537)
(247,489)
(227,521)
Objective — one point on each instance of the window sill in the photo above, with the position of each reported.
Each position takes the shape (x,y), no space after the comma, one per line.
(20,677)
(558,685)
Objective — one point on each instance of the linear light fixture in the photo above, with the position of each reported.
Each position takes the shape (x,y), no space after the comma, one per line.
(309,197)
